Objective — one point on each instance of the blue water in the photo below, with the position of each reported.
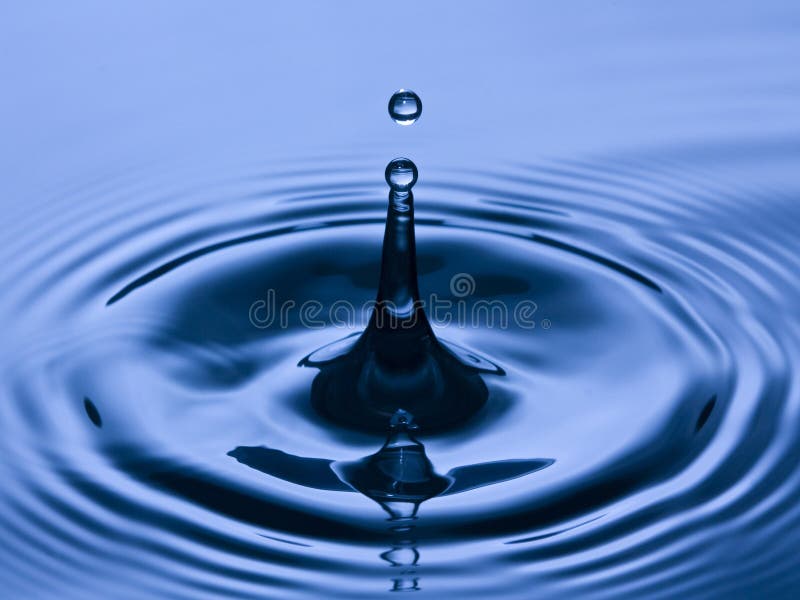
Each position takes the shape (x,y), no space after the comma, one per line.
(627,171)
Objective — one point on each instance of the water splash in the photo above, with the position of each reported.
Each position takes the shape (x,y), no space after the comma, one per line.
(398,363)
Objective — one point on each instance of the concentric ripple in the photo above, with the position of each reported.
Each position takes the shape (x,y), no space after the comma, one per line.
(653,368)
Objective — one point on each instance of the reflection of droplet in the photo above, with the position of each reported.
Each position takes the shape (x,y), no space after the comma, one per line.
(92,412)
(401,174)
(401,556)
(405,584)
(405,107)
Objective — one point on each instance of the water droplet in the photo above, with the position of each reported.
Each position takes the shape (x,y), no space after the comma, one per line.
(405,107)
(401,174)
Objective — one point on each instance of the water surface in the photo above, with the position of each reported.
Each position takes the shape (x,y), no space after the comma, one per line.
(632,171)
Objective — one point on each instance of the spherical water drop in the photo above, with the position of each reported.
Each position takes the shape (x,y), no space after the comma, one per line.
(401,174)
(405,107)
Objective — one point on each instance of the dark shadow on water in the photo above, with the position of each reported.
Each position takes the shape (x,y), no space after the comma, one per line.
(92,413)
(706,413)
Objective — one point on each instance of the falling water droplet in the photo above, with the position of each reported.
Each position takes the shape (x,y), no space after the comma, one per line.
(401,174)
(405,107)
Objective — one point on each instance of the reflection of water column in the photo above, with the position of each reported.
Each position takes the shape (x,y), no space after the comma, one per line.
(403,556)
(406,480)
(399,477)
(397,363)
